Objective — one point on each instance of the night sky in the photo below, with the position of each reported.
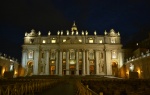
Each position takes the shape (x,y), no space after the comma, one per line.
(129,17)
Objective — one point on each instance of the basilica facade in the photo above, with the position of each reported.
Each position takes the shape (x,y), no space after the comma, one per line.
(72,53)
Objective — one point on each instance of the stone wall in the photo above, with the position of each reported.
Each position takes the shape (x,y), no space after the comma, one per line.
(141,65)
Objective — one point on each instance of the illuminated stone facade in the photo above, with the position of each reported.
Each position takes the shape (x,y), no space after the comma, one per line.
(72,53)
(141,64)
(8,64)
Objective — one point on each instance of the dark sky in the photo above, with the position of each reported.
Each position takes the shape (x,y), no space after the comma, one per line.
(129,17)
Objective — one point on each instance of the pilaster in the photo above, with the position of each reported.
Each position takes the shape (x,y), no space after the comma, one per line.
(36,62)
(108,62)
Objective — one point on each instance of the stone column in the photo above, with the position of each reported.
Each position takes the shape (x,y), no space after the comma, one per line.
(77,62)
(67,62)
(47,70)
(60,62)
(24,59)
(36,62)
(24,62)
(108,62)
(87,63)
(96,63)
(120,57)
(56,66)
(83,62)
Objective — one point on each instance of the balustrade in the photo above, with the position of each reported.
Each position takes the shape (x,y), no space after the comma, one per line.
(84,90)
(25,86)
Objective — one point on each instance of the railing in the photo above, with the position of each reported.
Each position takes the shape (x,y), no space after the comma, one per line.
(84,90)
(136,58)
(26,87)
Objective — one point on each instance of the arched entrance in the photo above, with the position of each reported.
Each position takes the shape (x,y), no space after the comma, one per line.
(29,68)
(114,69)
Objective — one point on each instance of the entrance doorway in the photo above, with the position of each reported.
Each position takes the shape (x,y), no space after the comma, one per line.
(92,69)
(72,72)
(64,72)
(52,70)
(72,69)
(114,69)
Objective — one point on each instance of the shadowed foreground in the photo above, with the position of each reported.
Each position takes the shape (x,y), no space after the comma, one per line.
(65,88)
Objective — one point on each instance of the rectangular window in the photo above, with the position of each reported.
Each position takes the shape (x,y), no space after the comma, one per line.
(114,55)
(100,41)
(52,62)
(72,61)
(90,41)
(80,55)
(80,40)
(44,41)
(64,40)
(72,55)
(64,55)
(30,54)
(53,41)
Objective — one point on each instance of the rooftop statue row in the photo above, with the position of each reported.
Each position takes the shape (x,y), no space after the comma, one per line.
(74,31)
(4,56)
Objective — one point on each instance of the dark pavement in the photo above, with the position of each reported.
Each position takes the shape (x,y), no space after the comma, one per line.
(65,88)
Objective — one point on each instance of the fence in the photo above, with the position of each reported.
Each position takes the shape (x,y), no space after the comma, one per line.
(25,86)
(84,90)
